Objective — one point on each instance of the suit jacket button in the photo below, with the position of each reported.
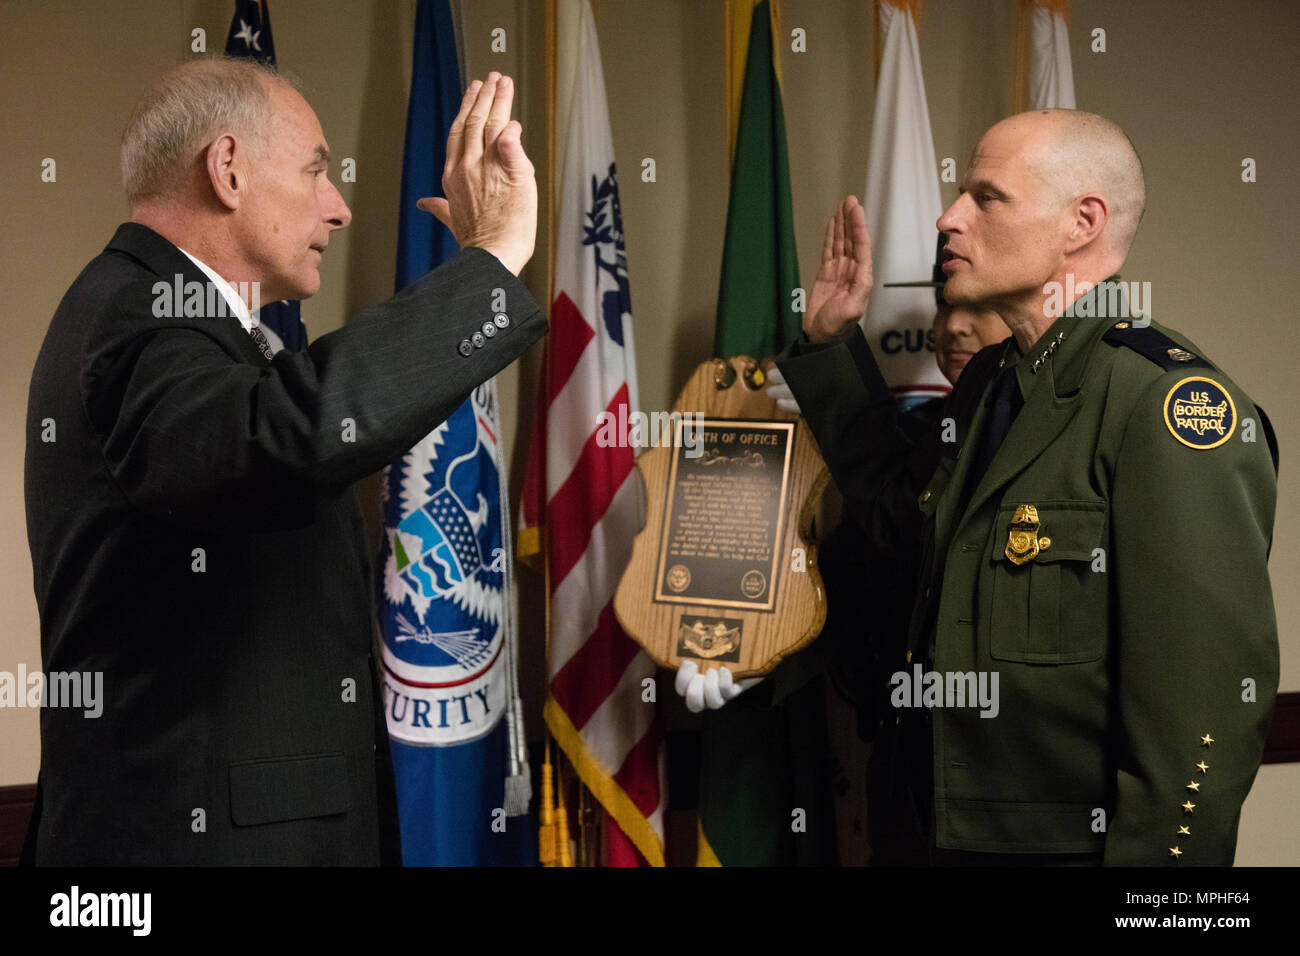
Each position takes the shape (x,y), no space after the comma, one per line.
(502,320)
(489,329)
(464,348)
(477,339)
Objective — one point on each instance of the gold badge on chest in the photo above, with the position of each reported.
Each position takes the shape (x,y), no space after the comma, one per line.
(1022,541)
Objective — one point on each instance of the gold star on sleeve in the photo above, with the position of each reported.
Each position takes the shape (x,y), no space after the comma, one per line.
(1207,740)
(1184,831)
(1203,766)
(1175,852)
(1189,806)
(1193,785)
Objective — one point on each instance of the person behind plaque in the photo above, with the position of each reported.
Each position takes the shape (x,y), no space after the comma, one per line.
(1096,458)
(868,561)
(194,533)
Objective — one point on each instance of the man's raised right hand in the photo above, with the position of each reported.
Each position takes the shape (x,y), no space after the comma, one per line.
(839,296)
(489,181)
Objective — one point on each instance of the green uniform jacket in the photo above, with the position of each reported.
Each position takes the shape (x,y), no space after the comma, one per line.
(1136,652)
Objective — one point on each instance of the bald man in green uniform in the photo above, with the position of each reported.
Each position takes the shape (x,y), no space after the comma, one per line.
(1093,652)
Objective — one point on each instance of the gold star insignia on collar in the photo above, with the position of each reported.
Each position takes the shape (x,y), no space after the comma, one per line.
(1174,851)
(1193,785)
(1184,831)
(1207,740)
(1189,806)
(1203,766)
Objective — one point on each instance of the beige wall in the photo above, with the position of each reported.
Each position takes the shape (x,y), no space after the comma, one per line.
(1197,84)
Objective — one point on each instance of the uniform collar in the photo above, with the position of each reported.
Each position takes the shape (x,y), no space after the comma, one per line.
(1068,341)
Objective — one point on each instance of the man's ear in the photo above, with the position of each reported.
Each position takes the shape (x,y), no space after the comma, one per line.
(225,175)
(1090,215)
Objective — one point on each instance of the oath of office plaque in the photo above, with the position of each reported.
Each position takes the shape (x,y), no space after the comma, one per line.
(725,514)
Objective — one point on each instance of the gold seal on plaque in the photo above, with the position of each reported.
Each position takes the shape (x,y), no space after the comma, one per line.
(753,584)
(678,577)
(1022,540)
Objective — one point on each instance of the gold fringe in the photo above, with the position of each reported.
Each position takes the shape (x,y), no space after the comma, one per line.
(602,786)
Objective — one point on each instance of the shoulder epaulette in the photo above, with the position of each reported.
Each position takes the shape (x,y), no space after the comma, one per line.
(1152,344)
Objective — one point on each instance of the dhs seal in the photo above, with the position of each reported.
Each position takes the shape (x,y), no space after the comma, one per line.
(1200,413)
(443,581)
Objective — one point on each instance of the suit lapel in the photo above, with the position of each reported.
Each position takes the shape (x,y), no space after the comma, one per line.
(161,257)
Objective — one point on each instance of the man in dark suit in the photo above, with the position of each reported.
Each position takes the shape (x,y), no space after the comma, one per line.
(194,532)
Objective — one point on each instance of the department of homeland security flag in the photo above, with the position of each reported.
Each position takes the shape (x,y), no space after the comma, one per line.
(250,35)
(585,493)
(902,205)
(446,596)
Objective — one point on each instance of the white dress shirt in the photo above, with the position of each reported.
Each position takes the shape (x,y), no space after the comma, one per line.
(237,305)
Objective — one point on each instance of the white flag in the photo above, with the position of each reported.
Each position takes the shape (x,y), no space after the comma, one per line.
(902,206)
(1051,76)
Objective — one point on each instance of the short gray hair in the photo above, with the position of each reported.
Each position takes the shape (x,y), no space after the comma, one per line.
(184,110)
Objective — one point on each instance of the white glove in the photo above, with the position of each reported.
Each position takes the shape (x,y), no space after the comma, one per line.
(779,390)
(712,688)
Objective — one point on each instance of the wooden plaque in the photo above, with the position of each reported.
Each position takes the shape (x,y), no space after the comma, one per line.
(723,572)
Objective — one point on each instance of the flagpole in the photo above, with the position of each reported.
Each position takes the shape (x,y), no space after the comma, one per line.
(1021,78)
(547,843)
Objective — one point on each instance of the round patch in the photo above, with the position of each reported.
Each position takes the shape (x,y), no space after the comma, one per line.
(679,577)
(1200,413)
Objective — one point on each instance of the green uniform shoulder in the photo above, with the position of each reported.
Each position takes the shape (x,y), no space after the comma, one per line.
(1197,404)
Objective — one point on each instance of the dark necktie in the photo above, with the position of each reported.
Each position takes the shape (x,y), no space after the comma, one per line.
(259,338)
(1005,402)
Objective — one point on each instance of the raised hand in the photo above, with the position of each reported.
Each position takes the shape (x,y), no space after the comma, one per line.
(839,296)
(489,181)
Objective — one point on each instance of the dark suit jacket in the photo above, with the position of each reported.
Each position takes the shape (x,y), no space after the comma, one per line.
(195,536)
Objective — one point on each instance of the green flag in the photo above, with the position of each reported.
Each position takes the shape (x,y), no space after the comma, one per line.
(765,796)
(760,269)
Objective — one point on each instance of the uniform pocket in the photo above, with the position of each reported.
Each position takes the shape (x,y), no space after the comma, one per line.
(1053,608)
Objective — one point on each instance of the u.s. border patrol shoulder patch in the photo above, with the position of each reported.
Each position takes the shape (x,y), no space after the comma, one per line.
(1200,413)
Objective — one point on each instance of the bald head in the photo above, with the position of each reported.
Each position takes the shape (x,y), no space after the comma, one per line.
(1051,198)
(1078,153)
(187,108)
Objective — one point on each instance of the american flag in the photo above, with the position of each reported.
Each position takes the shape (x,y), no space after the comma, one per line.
(588,498)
